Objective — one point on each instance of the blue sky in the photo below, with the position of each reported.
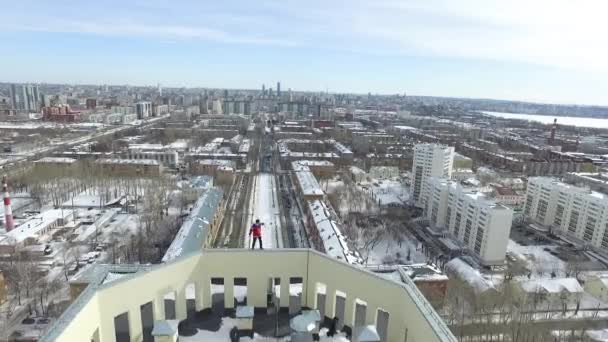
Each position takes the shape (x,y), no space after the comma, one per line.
(541,50)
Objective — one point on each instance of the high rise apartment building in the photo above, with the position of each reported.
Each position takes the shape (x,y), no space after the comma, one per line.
(569,210)
(481,225)
(430,160)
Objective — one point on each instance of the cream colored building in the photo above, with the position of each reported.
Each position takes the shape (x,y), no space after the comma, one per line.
(404,312)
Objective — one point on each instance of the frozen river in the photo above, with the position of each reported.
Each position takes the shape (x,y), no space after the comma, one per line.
(548,119)
(265,207)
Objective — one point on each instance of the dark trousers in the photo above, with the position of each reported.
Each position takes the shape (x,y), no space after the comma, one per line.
(259,238)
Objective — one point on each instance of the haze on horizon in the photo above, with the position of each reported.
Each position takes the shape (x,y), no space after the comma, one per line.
(543,51)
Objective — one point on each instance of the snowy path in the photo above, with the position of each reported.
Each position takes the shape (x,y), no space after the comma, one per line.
(265,207)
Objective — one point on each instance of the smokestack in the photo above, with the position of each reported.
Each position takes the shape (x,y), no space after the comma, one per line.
(8,213)
(553,129)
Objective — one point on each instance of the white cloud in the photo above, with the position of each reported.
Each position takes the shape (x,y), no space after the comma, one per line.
(559,33)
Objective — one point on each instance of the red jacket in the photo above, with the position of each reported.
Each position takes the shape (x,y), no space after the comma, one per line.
(256,230)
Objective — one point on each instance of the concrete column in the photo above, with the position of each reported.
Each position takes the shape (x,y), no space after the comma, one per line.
(135,328)
(330,301)
(256,292)
(285,292)
(181,311)
(228,293)
(202,294)
(106,329)
(371,314)
(349,311)
(159,308)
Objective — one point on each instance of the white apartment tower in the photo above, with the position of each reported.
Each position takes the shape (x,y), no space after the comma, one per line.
(482,225)
(143,109)
(217,107)
(430,160)
(569,210)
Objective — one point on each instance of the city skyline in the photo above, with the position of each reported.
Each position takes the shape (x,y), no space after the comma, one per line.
(511,51)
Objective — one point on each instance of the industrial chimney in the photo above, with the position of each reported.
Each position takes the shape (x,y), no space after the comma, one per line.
(8,213)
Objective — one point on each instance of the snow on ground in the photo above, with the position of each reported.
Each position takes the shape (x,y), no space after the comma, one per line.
(386,252)
(386,191)
(538,260)
(223,335)
(266,208)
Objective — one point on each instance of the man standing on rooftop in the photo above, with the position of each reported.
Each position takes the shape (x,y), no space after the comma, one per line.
(256,231)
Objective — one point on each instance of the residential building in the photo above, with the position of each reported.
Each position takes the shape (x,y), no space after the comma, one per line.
(55,165)
(25,97)
(200,229)
(430,160)
(210,167)
(143,109)
(577,212)
(482,225)
(137,297)
(130,167)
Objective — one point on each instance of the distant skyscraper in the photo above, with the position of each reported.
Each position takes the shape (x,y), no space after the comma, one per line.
(225,93)
(217,106)
(263,89)
(25,97)
(160,90)
(279,89)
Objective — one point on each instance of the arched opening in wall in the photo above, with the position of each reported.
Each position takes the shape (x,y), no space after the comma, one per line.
(295,294)
(169,300)
(382,318)
(190,299)
(340,308)
(360,311)
(121,328)
(320,298)
(217,296)
(147,321)
(240,291)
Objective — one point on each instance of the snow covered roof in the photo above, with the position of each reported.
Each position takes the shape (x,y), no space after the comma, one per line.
(128,161)
(36,224)
(193,233)
(217,162)
(555,285)
(57,160)
(334,242)
(309,184)
(468,274)
(313,163)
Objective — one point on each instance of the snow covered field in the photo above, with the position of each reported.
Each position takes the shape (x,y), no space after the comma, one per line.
(265,207)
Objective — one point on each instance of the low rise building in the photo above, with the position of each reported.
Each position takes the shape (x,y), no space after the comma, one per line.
(357,174)
(210,167)
(37,229)
(507,196)
(320,168)
(308,185)
(552,292)
(130,167)
(55,165)
(384,172)
(201,227)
